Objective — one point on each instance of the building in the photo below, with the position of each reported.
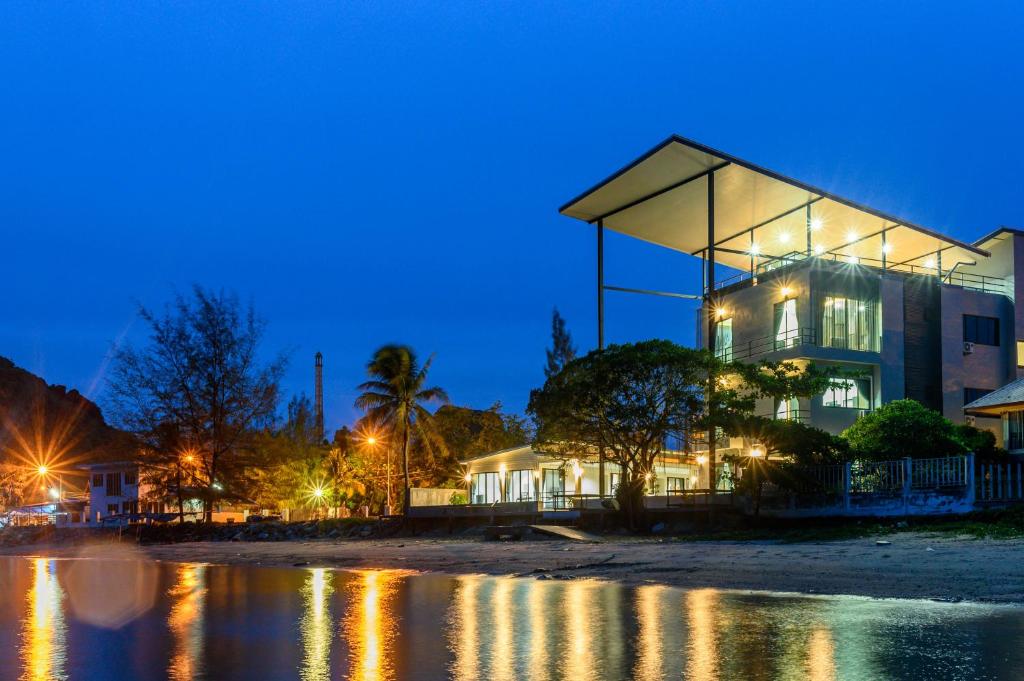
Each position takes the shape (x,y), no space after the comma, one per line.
(115,489)
(1007,405)
(524,475)
(793,272)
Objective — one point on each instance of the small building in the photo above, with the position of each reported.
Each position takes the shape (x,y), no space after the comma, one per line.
(115,490)
(1006,404)
(523,474)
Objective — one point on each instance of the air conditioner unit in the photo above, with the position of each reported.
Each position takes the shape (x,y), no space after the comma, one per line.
(970,420)
(968,347)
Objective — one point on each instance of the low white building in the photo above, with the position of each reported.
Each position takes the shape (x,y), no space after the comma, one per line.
(116,490)
(522,474)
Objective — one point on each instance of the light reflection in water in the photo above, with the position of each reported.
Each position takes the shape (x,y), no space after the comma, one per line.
(186,622)
(463,628)
(578,615)
(316,626)
(649,644)
(43,634)
(371,623)
(702,650)
(539,614)
(503,617)
(821,656)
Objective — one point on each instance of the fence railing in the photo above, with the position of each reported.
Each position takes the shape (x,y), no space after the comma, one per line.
(877,476)
(899,475)
(1000,482)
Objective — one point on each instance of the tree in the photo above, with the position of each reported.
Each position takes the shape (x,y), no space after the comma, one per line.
(469,432)
(396,396)
(904,428)
(626,400)
(562,350)
(198,389)
(979,441)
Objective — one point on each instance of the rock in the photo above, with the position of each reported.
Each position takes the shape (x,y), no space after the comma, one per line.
(658,528)
(882,542)
(901,524)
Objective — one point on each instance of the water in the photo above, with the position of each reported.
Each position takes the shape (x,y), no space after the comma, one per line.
(101,619)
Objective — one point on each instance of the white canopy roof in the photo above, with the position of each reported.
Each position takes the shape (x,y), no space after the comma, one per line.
(662,197)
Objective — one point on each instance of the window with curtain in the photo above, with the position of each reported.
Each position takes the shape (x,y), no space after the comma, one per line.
(848,393)
(520,486)
(786,410)
(981,330)
(486,489)
(1015,430)
(786,328)
(850,324)
(723,339)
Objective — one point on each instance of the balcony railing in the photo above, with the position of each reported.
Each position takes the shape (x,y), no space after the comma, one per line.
(966,280)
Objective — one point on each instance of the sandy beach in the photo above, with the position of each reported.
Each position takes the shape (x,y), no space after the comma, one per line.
(913,565)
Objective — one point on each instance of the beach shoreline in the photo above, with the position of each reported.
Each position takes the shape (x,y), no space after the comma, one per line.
(911,565)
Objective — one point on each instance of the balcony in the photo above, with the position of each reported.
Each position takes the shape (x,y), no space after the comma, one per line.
(958,278)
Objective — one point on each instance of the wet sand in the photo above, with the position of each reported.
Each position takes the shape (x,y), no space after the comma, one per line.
(914,565)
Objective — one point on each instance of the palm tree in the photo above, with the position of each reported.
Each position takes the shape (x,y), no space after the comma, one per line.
(395,396)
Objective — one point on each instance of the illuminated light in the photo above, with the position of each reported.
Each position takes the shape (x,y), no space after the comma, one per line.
(371,440)
(55,493)
(784,237)
(503,469)
(43,635)
(854,260)
(720,312)
(468,477)
(702,459)
(577,469)
(186,623)
(819,249)
(756,451)
(816,224)
(318,493)
(316,630)
(887,248)
(754,249)
(851,236)
(217,486)
(693,480)
(786,291)
(930,263)
(647,476)
(42,470)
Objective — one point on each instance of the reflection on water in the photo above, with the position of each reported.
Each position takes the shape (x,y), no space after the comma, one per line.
(188,598)
(43,629)
(316,628)
(220,622)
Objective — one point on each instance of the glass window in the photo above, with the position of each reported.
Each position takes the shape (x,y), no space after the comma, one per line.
(613,482)
(520,486)
(675,484)
(113,484)
(786,329)
(1020,353)
(552,486)
(1015,423)
(129,478)
(97,480)
(486,489)
(981,330)
(786,410)
(850,324)
(849,393)
(723,339)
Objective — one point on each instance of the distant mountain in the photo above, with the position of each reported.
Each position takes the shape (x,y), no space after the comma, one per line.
(50,424)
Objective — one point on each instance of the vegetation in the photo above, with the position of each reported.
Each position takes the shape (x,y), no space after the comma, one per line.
(396,397)
(562,350)
(906,428)
(197,395)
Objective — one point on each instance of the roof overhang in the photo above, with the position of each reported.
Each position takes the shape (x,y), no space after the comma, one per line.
(662,198)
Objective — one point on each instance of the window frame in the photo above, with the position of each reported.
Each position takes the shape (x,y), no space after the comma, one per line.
(724,351)
(788,337)
(869,393)
(973,331)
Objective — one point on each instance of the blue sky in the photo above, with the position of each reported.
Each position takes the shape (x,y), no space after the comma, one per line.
(377,172)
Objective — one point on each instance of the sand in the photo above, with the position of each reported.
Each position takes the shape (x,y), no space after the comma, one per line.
(913,565)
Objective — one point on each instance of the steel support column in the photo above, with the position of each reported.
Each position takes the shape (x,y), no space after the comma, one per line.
(711,327)
(600,334)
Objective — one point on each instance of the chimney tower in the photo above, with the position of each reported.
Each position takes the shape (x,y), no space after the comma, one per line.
(319,397)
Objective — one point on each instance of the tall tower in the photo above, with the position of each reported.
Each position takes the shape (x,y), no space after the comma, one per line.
(319,397)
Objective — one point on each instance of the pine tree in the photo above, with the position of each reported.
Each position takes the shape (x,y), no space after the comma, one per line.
(562,351)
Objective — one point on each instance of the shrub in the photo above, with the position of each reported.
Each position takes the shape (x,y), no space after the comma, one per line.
(904,428)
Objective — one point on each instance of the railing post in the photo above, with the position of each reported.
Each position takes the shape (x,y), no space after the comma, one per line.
(998,482)
(969,496)
(908,475)
(1018,482)
(847,481)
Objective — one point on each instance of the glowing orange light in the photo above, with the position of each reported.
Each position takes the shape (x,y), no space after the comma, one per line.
(42,470)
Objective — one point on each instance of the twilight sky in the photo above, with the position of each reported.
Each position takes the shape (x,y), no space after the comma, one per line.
(369,172)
